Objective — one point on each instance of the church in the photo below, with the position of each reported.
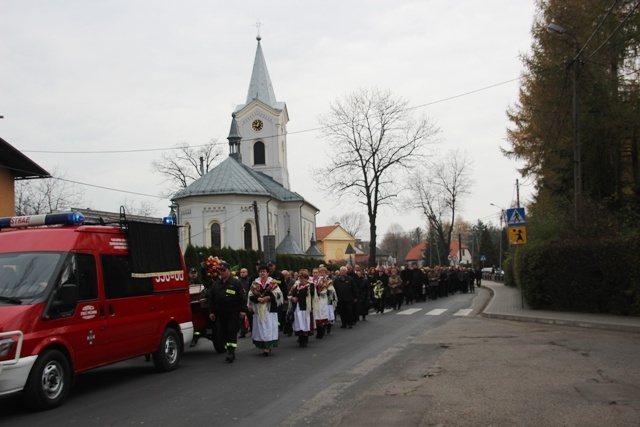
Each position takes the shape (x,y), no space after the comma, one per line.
(245,201)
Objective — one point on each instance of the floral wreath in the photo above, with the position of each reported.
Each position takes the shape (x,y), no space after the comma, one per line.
(212,264)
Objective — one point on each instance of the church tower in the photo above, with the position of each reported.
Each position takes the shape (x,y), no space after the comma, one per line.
(262,122)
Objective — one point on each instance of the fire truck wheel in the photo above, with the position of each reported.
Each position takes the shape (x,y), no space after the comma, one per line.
(49,381)
(167,357)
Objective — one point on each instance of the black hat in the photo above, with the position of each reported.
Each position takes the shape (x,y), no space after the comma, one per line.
(271,263)
(193,270)
(224,266)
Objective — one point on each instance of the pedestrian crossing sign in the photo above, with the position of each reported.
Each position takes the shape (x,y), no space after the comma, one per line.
(518,235)
(515,217)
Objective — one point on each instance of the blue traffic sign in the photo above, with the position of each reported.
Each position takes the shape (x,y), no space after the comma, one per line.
(516,217)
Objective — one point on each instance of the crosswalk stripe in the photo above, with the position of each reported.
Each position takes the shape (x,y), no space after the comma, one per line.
(409,311)
(436,312)
(464,312)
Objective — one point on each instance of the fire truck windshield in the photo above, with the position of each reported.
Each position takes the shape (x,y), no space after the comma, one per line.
(26,276)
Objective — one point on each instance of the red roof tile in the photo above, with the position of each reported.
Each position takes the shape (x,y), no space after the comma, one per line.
(416,252)
(323,232)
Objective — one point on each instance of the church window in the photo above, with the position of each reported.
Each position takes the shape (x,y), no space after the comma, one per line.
(248,236)
(216,236)
(258,153)
(185,234)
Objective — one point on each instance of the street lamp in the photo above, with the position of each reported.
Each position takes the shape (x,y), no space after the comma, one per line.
(501,233)
(577,162)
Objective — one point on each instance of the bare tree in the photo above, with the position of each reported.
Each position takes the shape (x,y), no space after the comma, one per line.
(373,139)
(183,165)
(396,242)
(353,222)
(437,191)
(42,196)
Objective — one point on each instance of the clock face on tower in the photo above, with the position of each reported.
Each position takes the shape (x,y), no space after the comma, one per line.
(257,125)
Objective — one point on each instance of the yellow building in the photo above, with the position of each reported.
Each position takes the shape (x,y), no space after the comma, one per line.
(14,165)
(333,241)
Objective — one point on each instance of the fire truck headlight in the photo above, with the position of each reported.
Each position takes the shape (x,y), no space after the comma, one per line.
(6,346)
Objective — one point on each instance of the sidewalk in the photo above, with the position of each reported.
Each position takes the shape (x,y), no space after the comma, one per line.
(506,303)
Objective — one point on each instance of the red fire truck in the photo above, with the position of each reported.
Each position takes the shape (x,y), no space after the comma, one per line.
(77,296)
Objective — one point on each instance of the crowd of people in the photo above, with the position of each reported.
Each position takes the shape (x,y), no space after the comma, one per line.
(309,303)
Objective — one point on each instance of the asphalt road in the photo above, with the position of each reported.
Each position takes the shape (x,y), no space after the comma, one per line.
(431,364)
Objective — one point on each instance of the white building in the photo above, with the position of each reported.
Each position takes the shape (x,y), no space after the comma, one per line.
(218,209)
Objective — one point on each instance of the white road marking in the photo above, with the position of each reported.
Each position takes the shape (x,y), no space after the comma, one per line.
(409,311)
(436,312)
(386,310)
(464,312)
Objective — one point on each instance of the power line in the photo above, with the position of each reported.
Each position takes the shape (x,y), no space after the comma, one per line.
(471,92)
(109,188)
(614,31)
(596,29)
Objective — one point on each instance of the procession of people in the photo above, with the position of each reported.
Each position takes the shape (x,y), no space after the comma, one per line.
(306,304)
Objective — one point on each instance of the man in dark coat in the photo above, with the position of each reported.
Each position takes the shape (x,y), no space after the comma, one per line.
(416,283)
(227,304)
(347,293)
(405,275)
(384,278)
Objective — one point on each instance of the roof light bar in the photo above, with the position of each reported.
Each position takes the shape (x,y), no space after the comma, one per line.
(67,218)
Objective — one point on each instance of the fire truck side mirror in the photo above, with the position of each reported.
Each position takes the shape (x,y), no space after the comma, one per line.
(66,297)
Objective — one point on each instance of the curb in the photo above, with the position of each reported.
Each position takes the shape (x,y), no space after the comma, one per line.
(576,323)
(617,327)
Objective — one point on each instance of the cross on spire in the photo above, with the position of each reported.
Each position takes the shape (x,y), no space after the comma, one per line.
(258,24)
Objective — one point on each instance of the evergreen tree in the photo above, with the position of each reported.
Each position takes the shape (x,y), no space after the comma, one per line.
(602,40)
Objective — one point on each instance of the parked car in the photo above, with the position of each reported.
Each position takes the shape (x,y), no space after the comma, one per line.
(496,271)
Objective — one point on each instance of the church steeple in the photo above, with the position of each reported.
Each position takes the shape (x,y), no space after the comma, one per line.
(262,121)
(260,86)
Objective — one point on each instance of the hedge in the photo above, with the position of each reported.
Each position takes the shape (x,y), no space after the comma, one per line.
(594,276)
(243,258)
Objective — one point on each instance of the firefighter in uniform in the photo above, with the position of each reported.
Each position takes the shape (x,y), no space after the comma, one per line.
(227,304)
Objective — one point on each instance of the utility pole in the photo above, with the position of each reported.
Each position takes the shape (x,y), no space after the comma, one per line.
(257,219)
(430,246)
(577,155)
(501,233)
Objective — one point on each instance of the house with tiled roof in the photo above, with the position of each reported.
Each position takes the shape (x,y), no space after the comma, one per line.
(333,241)
(418,254)
(14,165)
(247,196)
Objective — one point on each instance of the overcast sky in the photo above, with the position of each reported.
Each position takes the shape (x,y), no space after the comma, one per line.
(80,76)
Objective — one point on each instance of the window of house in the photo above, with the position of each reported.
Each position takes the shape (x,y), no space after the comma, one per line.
(248,236)
(258,153)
